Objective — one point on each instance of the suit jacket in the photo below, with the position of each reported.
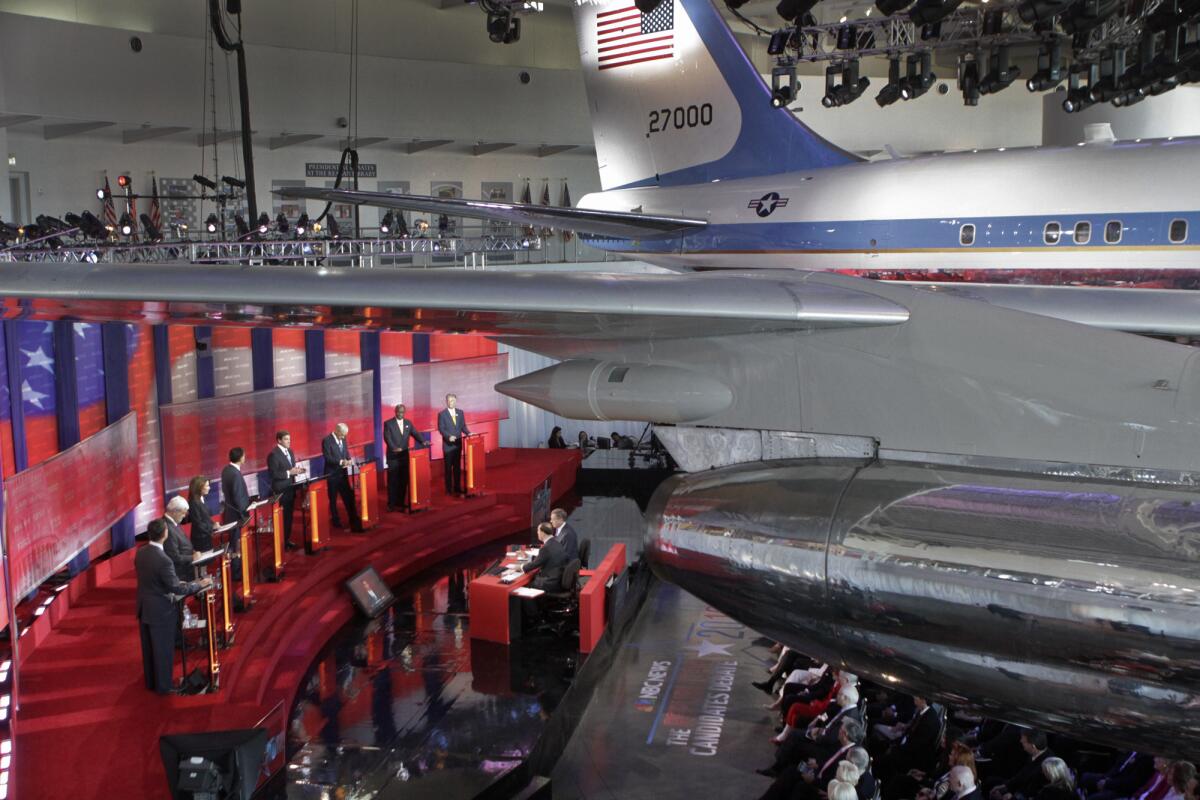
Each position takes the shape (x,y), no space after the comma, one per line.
(552,561)
(234,494)
(569,540)
(866,788)
(1029,780)
(277,464)
(919,745)
(827,769)
(828,741)
(396,435)
(333,454)
(158,586)
(202,523)
(1128,774)
(456,427)
(974,794)
(180,551)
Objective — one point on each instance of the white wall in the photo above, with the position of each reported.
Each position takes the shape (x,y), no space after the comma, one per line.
(1176,113)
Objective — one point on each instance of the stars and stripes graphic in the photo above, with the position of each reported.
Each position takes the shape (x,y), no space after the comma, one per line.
(625,36)
(155,207)
(109,211)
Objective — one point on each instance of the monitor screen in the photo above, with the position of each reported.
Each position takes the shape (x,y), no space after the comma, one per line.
(369,591)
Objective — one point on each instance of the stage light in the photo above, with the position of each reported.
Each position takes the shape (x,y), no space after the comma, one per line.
(302,225)
(832,73)
(1002,73)
(73,219)
(125,226)
(781,96)
(891,92)
(123,181)
(778,41)
(385,225)
(50,224)
(1090,14)
(784,85)
(334,229)
(205,182)
(281,223)
(920,76)
(504,28)
(1049,72)
(153,234)
(850,89)
(212,223)
(968,81)
(1032,11)
(239,222)
(1110,85)
(927,12)
(236,183)
(264,222)
(316,227)
(793,9)
(1077,94)
(92,227)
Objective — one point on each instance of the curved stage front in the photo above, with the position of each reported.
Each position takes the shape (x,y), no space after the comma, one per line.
(88,728)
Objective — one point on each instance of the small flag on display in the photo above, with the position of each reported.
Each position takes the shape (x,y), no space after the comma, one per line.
(625,36)
(565,202)
(109,212)
(133,215)
(155,208)
(546,202)
(527,199)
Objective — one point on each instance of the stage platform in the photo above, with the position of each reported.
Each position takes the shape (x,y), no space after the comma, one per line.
(88,728)
(676,716)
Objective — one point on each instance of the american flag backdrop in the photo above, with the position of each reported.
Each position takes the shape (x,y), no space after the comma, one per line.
(625,36)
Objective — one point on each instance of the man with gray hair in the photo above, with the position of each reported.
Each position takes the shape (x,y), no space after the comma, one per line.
(338,464)
(859,757)
(177,546)
(962,784)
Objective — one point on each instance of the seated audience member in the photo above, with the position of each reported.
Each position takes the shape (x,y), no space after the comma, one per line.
(962,784)
(802,782)
(1157,785)
(859,757)
(999,747)
(1060,783)
(1127,774)
(557,442)
(1181,776)
(805,686)
(1029,780)
(838,789)
(584,442)
(918,745)
(953,753)
(821,738)
(198,514)
(788,661)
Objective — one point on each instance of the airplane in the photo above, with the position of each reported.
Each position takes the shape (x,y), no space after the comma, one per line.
(957,498)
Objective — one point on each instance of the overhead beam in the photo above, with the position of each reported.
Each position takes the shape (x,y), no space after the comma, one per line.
(142,134)
(74,129)
(207,139)
(554,149)
(483,148)
(8,120)
(291,140)
(364,141)
(417,145)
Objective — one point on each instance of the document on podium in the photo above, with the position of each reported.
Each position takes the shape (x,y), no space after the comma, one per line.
(303,476)
(228,526)
(202,558)
(528,591)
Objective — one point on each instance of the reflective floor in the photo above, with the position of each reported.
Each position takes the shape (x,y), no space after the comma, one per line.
(408,705)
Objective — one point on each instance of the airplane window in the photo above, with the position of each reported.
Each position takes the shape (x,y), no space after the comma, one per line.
(1052,233)
(966,235)
(1112,231)
(1178,233)
(1083,232)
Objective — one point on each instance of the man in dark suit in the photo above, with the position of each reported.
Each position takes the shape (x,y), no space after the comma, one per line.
(452,425)
(234,495)
(281,463)
(178,547)
(157,609)
(338,463)
(917,748)
(807,781)
(397,432)
(1030,779)
(550,562)
(1127,774)
(564,533)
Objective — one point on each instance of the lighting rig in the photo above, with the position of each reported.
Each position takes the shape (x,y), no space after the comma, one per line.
(1108,51)
(503,22)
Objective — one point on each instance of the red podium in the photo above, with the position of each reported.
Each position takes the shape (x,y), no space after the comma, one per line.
(474,464)
(368,495)
(318,514)
(418,479)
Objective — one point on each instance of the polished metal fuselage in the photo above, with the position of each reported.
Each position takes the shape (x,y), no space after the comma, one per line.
(1066,603)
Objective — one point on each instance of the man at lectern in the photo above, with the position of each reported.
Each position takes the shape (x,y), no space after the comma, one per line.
(158,588)
(452,426)
(235,496)
(338,464)
(281,462)
(397,432)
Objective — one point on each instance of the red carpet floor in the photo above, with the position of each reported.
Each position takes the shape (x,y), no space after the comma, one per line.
(88,728)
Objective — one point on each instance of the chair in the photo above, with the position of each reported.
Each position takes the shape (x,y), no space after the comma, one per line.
(585,549)
(561,608)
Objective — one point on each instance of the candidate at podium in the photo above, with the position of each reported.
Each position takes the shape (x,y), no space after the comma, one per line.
(452,425)
(281,464)
(338,464)
(551,561)
(397,434)
(198,513)
(158,592)
(235,496)
(178,547)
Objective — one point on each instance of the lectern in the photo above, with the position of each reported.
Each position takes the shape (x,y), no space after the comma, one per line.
(418,479)
(474,464)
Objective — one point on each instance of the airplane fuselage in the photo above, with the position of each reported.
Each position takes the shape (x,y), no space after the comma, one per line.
(1128,205)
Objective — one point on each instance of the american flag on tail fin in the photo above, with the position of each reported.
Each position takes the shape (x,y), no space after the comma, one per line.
(625,36)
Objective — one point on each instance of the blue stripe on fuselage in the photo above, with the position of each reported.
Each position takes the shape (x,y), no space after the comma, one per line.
(991,233)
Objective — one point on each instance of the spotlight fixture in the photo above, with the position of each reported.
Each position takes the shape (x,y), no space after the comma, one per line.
(73,219)
(850,89)
(1110,84)
(50,224)
(385,225)
(264,223)
(236,183)
(1049,72)
(334,229)
(302,225)
(927,12)
(891,92)
(103,193)
(1002,73)
(920,76)
(1077,93)
(91,226)
(205,182)
(1087,15)
(779,41)
(123,181)
(784,85)
(505,28)
(281,223)
(212,223)
(781,97)
(153,234)
(125,226)
(968,80)
(243,229)
(792,9)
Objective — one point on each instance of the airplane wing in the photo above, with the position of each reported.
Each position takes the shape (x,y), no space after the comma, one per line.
(620,224)
(580,305)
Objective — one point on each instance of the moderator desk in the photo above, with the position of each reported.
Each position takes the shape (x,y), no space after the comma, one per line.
(495,612)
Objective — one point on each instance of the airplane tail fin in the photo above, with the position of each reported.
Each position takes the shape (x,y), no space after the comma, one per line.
(675,100)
